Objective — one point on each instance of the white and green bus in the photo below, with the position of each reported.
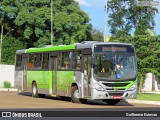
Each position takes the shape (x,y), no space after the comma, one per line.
(84,71)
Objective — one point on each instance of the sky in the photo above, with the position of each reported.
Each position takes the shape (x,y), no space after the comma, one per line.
(95,10)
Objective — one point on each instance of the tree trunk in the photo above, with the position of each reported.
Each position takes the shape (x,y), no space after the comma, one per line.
(153,82)
(140,85)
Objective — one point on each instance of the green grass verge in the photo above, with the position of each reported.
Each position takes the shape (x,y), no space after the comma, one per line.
(151,97)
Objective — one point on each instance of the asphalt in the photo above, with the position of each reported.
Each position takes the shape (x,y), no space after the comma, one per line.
(128,100)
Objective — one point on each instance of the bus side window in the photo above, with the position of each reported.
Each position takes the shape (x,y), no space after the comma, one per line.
(79,58)
(18,62)
(59,60)
(76,60)
(37,61)
(31,61)
(45,61)
(64,60)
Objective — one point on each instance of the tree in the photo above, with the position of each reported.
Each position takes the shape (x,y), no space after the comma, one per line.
(127,15)
(31,21)
(97,35)
(117,18)
(150,32)
(10,45)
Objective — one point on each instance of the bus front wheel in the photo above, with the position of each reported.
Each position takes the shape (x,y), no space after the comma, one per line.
(111,101)
(75,94)
(34,90)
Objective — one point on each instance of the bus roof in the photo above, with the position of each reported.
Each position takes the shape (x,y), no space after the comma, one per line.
(20,51)
(83,45)
(90,44)
(53,48)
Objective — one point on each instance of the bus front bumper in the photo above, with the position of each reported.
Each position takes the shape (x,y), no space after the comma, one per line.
(113,94)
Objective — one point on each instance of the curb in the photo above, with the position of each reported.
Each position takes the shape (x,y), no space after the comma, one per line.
(8,89)
(144,102)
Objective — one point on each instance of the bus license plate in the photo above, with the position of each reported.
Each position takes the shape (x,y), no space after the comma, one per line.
(116,97)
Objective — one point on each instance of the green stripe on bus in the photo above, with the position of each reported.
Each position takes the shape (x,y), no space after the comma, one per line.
(130,83)
(54,48)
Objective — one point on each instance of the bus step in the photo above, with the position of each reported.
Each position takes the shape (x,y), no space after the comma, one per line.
(53,95)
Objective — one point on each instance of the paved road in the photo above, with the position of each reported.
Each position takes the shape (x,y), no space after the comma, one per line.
(14,100)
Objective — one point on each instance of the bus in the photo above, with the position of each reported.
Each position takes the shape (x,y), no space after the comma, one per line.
(83,71)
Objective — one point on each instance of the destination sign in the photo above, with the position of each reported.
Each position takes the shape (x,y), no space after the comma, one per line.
(113,48)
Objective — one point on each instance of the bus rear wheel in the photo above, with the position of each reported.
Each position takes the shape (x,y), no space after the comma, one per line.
(34,90)
(111,101)
(41,95)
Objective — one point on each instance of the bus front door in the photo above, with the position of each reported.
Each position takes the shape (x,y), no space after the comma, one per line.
(54,80)
(87,76)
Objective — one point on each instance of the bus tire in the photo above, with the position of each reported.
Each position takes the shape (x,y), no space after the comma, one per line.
(75,94)
(111,101)
(34,90)
(83,101)
(41,95)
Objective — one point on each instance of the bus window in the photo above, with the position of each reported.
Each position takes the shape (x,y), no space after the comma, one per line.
(31,61)
(76,60)
(45,61)
(64,61)
(37,60)
(19,62)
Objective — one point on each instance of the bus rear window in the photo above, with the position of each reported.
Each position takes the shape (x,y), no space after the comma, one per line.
(18,62)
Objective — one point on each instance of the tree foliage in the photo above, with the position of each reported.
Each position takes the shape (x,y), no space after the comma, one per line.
(31,21)
(127,15)
(97,35)
(10,45)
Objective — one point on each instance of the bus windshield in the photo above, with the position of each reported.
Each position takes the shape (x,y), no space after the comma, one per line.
(114,65)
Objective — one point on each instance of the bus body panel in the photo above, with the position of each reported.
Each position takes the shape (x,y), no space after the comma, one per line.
(64,82)
(120,90)
(19,80)
(43,80)
(109,95)
(79,82)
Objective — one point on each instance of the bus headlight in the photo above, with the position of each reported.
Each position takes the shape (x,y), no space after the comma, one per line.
(97,86)
(133,87)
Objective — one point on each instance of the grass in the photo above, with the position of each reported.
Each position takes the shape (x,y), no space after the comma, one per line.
(150,97)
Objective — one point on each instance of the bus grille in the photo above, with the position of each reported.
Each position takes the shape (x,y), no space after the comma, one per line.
(116,84)
(116,94)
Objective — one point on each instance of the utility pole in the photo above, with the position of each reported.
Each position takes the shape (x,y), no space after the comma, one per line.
(105,21)
(51,24)
(1,43)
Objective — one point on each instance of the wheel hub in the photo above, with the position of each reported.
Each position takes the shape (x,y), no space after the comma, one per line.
(34,90)
(76,94)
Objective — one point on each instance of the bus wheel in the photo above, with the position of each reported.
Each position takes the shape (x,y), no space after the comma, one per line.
(34,90)
(83,101)
(111,101)
(41,95)
(75,95)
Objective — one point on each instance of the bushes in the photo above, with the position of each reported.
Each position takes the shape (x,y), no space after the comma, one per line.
(7,84)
